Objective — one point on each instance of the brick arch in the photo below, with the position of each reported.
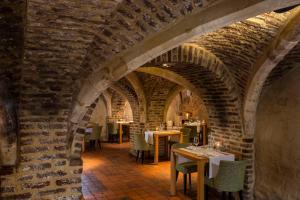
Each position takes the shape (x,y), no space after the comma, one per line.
(201,72)
(139,90)
(169,75)
(107,101)
(193,54)
(126,91)
(287,38)
(198,59)
(125,42)
(124,87)
(171,96)
(118,93)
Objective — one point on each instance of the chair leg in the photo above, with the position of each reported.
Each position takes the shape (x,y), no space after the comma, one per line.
(177,173)
(137,156)
(206,192)
(184,183)
(190,181)
(143,156)
(230,195)
(241,194)
(99,143)
(223,195)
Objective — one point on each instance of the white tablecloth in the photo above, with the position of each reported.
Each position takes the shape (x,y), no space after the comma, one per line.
(89,130)
(149,137)
(214,157)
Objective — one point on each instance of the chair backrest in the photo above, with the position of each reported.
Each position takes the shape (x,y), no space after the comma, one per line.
(125,129)
(140,142)
(185,134)
(96,132)
(181,159)
(112,128)
(193,131)
(87,135)
(231,175)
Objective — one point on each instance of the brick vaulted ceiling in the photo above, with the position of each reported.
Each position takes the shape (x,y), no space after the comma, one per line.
(60,34)
(241,44)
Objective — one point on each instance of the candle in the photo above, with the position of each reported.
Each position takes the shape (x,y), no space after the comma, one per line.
(217,145)
(187,115)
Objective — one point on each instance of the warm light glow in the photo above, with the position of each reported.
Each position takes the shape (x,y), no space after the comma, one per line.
(187,115)
(166,65)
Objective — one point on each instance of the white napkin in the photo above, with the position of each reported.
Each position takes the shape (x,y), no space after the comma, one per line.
(149,137)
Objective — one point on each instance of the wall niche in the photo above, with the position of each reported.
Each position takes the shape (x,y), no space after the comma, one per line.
(277,140)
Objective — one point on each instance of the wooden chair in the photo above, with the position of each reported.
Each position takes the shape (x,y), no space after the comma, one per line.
(185,138)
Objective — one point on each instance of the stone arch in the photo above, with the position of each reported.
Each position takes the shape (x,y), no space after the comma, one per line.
(287,38)
(121,105)
(129,94)
(124,87)
(137,85)
(168,75)
(107,101)
(161,37)
(170,98)
(193,54)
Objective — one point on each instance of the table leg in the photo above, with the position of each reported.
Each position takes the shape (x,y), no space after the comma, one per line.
(166,146)
(200,180)
(156,150)
(121,134)
(180,138)
(173,174)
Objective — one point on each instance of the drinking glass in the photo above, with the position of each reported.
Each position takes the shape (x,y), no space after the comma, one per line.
(196,141)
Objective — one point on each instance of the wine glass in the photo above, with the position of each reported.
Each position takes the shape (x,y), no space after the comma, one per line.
(196,141)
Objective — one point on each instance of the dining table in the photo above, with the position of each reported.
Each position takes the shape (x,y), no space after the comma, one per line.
(195,154)
(120,124)
(160,134)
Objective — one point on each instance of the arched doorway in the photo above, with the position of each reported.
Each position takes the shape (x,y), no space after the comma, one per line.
(185,105)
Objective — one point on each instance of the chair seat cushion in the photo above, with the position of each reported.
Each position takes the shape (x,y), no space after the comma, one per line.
(187,167)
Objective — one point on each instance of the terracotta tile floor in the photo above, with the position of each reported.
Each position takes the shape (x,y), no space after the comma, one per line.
(112,173)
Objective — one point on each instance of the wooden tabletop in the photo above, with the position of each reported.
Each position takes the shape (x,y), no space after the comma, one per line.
(167,132)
